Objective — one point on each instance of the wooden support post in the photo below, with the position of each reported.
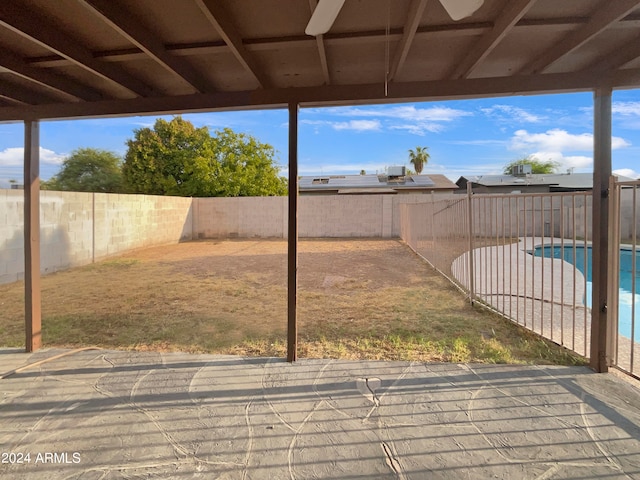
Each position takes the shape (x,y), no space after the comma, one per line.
(292,239)
(32,302)
(600,242)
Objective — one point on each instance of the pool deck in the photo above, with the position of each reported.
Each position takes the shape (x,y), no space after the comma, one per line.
(116,415)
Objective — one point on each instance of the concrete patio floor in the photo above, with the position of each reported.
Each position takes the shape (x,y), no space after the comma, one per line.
(97,414)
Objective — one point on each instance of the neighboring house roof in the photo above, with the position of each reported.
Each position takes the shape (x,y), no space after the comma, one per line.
(557,181)
(372,183)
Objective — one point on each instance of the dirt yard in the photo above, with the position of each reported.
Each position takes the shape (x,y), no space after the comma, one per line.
(357,299)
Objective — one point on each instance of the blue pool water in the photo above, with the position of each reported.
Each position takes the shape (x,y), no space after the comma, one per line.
(576,256)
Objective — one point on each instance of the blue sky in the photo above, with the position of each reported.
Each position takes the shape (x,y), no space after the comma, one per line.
(465,137)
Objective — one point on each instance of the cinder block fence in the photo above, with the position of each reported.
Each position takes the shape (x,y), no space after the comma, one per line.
(81,228)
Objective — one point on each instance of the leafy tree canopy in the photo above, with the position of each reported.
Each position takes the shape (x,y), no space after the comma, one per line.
(176,158)
(88,170)
(537,166)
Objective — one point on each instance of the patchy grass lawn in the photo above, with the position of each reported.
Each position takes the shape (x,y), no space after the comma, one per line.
(358,299)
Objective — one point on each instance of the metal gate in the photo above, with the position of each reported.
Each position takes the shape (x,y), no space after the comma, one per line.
(624,271)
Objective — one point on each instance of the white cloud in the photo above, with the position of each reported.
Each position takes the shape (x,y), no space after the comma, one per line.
(414,120)
(14,156)
(565,162)
(569,151)
(627,115)
(419,128)
(358,125)
(627,109)
(557,140)
(512,114)
(51,157)
(142,124)
(405,112)
(626,172)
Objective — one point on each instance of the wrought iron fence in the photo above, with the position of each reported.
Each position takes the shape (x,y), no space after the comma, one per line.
(525,256)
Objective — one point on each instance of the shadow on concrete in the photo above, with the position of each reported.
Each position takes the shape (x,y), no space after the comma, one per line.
(181,416)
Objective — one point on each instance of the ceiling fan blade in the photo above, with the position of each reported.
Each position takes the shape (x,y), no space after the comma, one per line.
(323,17)
(459,9)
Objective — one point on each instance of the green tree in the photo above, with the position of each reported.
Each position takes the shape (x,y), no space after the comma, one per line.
(165,160)
(419,158)
(537,166)
(176,158)
(88,170)
(247,166)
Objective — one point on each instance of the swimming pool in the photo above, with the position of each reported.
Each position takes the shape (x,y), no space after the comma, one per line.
(576,255)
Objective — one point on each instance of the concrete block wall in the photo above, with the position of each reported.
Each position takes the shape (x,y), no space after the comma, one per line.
(240,217)
(627,210)
(406,199)
(341,216)
(318,216)
(78,228)
(66,226)
(11,236)
(126,222)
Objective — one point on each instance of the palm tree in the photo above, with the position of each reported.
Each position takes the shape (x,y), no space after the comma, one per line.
(419,158)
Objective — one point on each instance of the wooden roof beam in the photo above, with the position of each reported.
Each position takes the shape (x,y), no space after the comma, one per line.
(134,30)
(617,58)
(8,101)
(511,13)
(57,83)
(223,23)
(24,95)
(416,9)
(330,95)
(324,64)
(31,25)
(336,39)
(604,16)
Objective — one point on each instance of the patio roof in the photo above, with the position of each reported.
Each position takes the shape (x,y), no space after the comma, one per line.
(76,58)
(89,58)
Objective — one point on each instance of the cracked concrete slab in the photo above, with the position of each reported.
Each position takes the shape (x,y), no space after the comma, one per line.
(97,414)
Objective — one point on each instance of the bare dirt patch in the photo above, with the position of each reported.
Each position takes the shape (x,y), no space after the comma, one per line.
(357,299)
